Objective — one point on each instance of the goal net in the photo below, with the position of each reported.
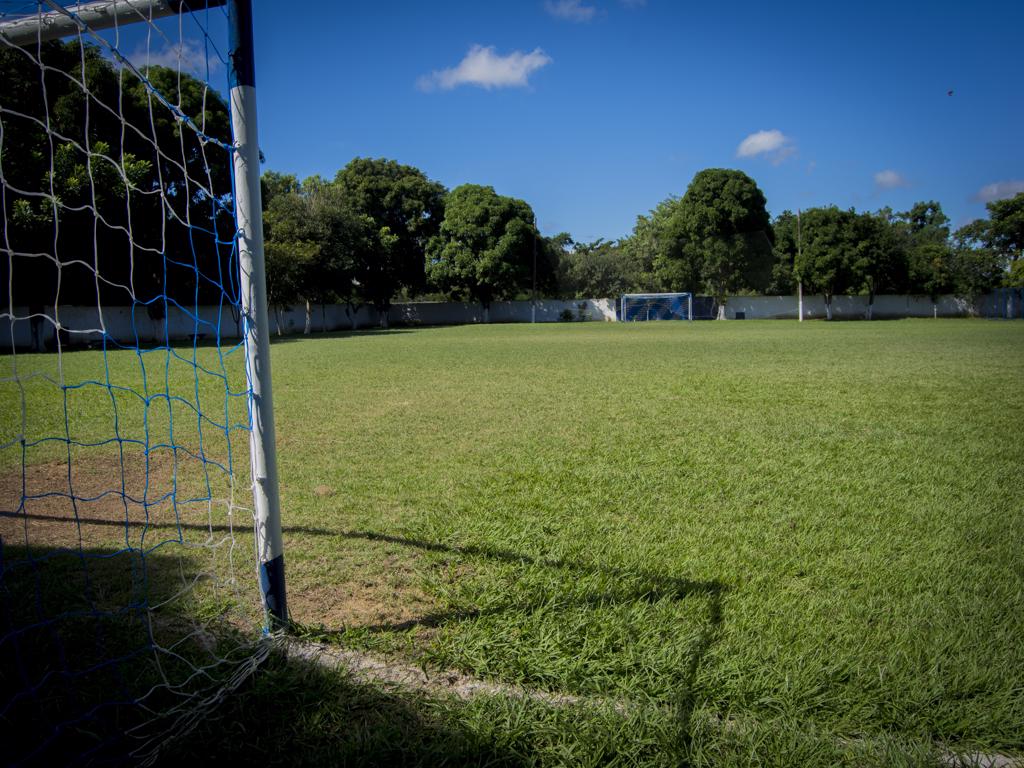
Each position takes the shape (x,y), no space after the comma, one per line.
(656,306)
(129,599)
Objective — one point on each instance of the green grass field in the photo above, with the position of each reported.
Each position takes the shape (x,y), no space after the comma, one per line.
(742,543)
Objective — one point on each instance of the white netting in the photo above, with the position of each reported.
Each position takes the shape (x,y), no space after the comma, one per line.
(656,306)
(128,601)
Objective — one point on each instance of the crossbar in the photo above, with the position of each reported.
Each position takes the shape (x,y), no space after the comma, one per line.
(100,14)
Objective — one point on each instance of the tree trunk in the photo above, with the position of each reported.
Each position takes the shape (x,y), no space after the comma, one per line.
(309,319)
(382,316)
(487,313)
(935,310)
(323,318)
(871,304)
(277,318)
(828,306)
(721,310)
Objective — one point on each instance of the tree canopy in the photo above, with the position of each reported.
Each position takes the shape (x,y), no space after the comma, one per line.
(407,209)
(171,202)
(716,238)
(484,250)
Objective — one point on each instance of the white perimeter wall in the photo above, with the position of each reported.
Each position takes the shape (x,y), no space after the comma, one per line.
(129,326)
(848,307)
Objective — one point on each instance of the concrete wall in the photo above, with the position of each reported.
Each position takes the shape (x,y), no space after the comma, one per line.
(848,307)
(131,326)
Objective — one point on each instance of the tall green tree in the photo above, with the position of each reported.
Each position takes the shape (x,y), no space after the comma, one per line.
(925,229)
(314,243)
(484,250)
(976,267)
(407,209)
(717,237)
(879,263)
(784,250)
(989,251)
(1005,231)
(727,222)
(829,251)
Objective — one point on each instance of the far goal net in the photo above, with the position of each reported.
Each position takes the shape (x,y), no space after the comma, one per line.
(656,306)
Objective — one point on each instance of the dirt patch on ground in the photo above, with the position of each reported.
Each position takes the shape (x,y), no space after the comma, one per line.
(101,499)
(359,585)
(102,502)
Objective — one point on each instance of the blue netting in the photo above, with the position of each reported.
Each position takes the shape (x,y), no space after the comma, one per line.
(655,307)
(1003,303)
(127,596)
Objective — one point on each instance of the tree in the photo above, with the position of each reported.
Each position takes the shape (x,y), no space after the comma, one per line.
(988,251)
(1005,232)
(312,242)
(829,249)
(726,218)
(167,202)
(407,209)
(976,268)
(719,234)
(602,269)
(929,253)
(484,250)
(783,279)
(879,262)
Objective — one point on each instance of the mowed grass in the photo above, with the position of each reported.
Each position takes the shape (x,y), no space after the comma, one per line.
(743,542)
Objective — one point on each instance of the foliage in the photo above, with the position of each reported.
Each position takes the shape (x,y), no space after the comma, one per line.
(717,237)
(485,248)
(1005,230)
(930,255)
(880,263)
(725,218)
(828,252)
(407,209)
(170,201)
(783,278)
(602,268)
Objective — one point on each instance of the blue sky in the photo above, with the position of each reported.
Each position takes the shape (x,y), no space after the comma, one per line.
(593,111)
(627,100)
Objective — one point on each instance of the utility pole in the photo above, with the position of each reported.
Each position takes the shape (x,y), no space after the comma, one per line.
(533,306)
(799,279)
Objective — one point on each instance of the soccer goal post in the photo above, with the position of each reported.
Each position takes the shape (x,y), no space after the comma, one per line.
(656,306)
(141,555)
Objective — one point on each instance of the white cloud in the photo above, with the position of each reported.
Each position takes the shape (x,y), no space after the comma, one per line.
(774,144)
(484,68)
(187,56)
(890,179)
(999,190)
(574,10)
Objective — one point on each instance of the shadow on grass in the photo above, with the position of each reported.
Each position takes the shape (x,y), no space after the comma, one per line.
(85,663)
(105,652)
(655,588)
(153,525)
(660,586)
(296,712)
(361,332)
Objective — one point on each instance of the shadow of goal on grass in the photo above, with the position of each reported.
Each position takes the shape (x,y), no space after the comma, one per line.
(105,653)
(567,627)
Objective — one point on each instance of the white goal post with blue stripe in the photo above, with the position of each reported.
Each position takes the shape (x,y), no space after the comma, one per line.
(656,306)
(140,526)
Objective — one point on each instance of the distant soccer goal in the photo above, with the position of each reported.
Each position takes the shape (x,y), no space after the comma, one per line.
(140,542)
(656,306)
